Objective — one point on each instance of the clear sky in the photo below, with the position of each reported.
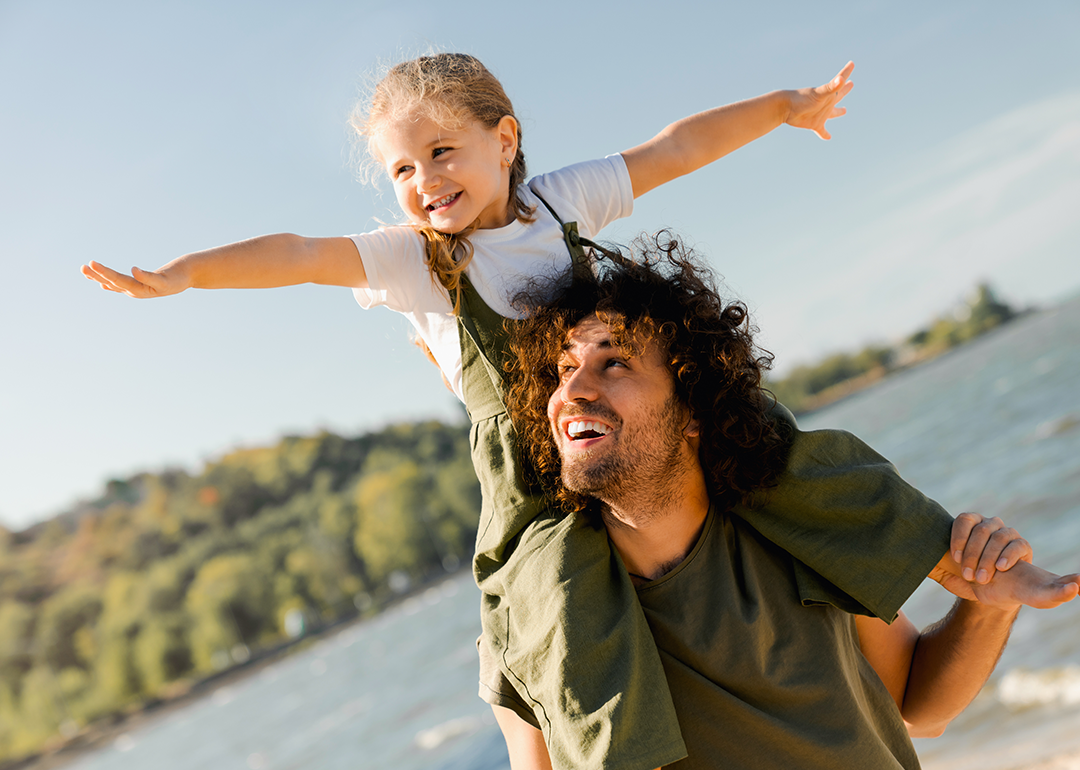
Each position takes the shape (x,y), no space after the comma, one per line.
(133,132)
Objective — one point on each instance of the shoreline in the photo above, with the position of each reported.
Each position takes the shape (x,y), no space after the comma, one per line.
(99,735)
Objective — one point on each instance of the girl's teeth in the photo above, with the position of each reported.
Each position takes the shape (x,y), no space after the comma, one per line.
(441,202)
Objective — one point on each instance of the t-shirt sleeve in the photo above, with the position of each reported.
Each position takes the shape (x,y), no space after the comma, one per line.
(594,193)
(397,277)
(868,537)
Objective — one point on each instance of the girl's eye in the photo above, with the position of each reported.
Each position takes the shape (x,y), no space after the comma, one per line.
(402,170)
(439,151)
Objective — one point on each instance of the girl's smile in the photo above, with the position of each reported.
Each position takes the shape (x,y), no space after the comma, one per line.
(449,178)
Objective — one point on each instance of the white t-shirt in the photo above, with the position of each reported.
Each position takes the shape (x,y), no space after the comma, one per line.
(593,194)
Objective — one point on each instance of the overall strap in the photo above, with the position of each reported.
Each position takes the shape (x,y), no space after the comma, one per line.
(576,245)
(484,339)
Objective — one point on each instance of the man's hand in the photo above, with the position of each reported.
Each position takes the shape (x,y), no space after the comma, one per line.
(990,563)
(811,107)
(982,546)
(141,284)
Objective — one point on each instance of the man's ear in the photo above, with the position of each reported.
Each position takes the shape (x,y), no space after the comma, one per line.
(693,428)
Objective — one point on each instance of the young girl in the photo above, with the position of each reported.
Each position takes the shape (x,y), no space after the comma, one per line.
(565,644)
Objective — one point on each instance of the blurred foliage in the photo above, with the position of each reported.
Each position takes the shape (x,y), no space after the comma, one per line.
(171,577)
(813,386)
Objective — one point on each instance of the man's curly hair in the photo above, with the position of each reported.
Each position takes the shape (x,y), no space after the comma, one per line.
(659,293)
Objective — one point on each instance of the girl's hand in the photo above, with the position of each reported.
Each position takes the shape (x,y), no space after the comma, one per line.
(811,107)
(141,284)
(982,546)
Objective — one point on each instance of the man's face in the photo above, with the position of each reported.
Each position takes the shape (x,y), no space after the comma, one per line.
(616,420)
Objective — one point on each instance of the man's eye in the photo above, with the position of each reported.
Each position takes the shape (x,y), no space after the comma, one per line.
(616,362)
(565,370)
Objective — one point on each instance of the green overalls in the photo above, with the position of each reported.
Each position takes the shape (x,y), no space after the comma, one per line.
(565,642)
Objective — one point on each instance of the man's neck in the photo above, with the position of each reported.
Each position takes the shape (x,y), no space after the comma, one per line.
(654,530)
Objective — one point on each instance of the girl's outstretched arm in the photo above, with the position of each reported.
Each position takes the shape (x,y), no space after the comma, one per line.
(698,140)
(259,263)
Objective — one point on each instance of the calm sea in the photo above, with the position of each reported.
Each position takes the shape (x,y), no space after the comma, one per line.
(993,427)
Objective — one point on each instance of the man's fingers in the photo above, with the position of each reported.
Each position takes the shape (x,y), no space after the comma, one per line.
(1004,548)
(961,531)
(1018,550)
(982,551)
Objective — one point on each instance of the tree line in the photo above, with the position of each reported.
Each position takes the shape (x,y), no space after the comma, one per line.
(171,577)
(816,385)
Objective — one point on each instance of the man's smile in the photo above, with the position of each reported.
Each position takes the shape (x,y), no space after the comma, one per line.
(584,429)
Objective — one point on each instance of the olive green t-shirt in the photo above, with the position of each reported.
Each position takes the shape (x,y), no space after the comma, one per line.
(760,680)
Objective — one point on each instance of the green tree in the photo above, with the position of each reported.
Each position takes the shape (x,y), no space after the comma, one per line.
(162,651)
(230,603)
(16,644)
(393,528)
(63,616)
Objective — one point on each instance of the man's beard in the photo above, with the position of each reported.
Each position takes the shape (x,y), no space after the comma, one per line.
(642,470)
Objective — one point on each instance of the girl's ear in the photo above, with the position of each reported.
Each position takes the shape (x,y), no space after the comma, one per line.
(506,131)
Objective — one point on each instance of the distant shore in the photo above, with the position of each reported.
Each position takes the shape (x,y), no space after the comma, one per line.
(101,735)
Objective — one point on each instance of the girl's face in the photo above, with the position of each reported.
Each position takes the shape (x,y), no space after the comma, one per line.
(449,178)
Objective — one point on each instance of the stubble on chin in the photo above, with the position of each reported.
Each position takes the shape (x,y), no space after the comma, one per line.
(639,476)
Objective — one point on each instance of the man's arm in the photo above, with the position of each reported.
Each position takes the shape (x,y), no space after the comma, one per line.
(700,139)
(259,263)
(933,676)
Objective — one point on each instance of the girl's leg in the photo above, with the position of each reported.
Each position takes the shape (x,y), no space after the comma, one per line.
(524,742)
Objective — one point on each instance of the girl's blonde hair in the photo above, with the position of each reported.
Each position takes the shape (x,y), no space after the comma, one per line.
(449,89)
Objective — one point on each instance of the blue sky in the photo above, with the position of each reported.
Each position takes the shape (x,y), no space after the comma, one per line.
(133,132)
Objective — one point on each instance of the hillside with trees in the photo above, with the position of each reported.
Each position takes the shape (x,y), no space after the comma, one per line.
(172,577)
(817,385)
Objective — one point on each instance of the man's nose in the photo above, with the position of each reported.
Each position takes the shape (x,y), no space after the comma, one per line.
(581,385)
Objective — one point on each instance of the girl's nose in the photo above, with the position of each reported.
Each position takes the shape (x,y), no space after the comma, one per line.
(426,179)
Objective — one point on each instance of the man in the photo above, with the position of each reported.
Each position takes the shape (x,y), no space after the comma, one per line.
(765,669)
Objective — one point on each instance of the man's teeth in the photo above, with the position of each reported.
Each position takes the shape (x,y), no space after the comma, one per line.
(441,202)
(587,429)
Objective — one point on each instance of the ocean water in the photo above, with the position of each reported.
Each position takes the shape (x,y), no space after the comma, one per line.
(993,427)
